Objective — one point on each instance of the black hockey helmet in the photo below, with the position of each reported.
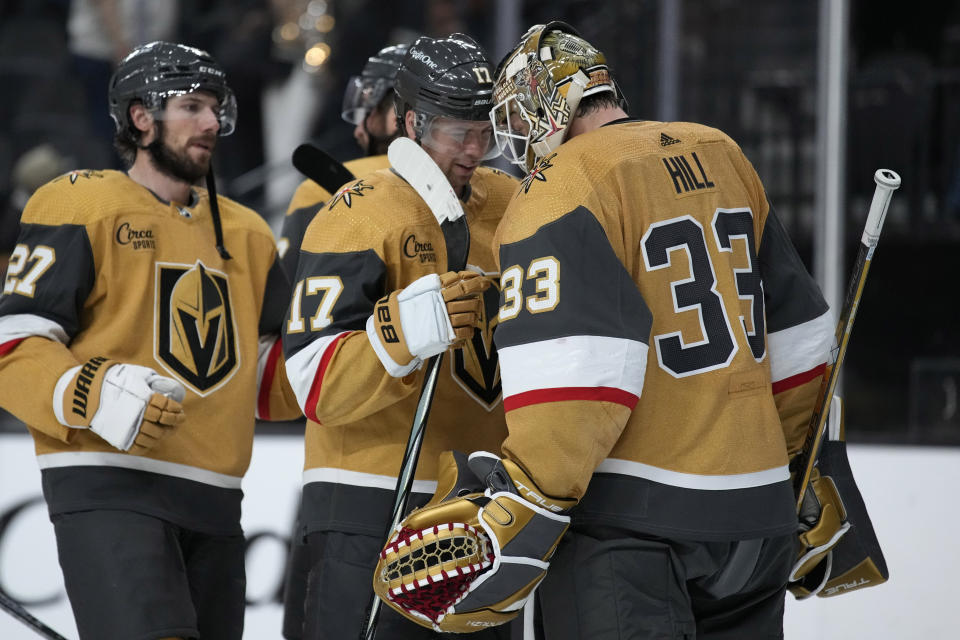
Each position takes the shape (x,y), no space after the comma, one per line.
(365,92)
(156,71)
(449,77)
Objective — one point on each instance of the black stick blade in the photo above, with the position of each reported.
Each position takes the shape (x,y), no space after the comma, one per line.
(320,167)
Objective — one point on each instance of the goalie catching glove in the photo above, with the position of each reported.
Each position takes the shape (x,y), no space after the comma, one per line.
(129,406)
(425,318)
(471,557)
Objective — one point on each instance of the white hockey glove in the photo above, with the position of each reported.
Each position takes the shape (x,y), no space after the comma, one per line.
(129,406)
(466,561)
(422,320)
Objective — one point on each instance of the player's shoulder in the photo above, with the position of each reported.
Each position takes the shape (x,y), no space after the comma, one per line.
(360,213)
(367,164)
(490,192)
(82,196)
(494,178)
(377,195)
(236,215)
(307,193)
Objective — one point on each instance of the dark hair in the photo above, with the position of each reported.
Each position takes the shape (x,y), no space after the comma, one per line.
(126,141)
(596,102)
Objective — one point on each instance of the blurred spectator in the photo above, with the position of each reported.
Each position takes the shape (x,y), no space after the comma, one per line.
(100,33)
(32,170)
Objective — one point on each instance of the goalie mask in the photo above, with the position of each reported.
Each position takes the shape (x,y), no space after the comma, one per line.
(160,70)
(538,87)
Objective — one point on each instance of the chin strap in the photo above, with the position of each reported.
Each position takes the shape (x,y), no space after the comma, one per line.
(215,212)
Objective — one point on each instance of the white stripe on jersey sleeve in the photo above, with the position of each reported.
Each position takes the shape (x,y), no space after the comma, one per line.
(574,361)
(303,366)
(24,325)
(801,348)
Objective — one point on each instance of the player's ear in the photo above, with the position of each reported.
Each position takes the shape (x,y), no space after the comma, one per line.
(408,120)
(141,117)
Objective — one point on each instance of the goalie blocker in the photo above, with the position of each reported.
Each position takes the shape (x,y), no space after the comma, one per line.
(838,551)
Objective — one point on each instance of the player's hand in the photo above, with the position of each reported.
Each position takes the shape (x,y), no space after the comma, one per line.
(423,319)
(462,293)
(129,406)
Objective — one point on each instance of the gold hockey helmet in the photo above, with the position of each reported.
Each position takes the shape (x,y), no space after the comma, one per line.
(538,87)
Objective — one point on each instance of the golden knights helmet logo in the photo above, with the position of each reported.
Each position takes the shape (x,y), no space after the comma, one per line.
(476,367)
(195,336)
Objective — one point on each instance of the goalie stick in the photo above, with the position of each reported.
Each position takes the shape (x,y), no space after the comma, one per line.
(887,182)
(414,165)
(319,166)
(15,609)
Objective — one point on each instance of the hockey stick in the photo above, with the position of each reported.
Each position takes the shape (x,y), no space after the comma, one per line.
(413,164)
(320,167)
(16,609)
(887,182)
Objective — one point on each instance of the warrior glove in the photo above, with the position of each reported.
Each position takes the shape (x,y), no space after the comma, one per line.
(470,559)
(129,406)
(422,320)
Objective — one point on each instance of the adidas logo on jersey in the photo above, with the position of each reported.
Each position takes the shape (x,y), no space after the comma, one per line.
(666,141)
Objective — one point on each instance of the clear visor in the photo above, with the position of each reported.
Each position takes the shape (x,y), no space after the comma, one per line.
(455,137)
(225,110)
(511,130)
(361,97)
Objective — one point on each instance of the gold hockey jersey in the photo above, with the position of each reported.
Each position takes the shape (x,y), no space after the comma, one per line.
(661,343)
(307,200)
(103,267)
(377,235)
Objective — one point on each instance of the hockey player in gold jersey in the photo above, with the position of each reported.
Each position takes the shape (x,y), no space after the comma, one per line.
(368,105)
(661,348)
(356,376)
(139,338)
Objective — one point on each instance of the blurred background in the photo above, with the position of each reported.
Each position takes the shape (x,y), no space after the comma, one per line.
(819,94)
(759,70)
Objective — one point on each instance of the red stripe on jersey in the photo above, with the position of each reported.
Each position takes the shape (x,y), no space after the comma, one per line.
(266,382)
(560,394)
(7,347)
(798,379)
(314,396)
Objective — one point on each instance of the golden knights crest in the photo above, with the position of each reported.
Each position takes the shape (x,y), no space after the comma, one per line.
(349,192)
(476,367)
(195,337)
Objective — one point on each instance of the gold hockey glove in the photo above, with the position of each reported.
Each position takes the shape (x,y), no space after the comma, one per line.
(129,406)
(423,319)
(462,564)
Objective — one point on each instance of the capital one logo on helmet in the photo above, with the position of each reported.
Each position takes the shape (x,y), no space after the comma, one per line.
(423,57)
(195,338)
